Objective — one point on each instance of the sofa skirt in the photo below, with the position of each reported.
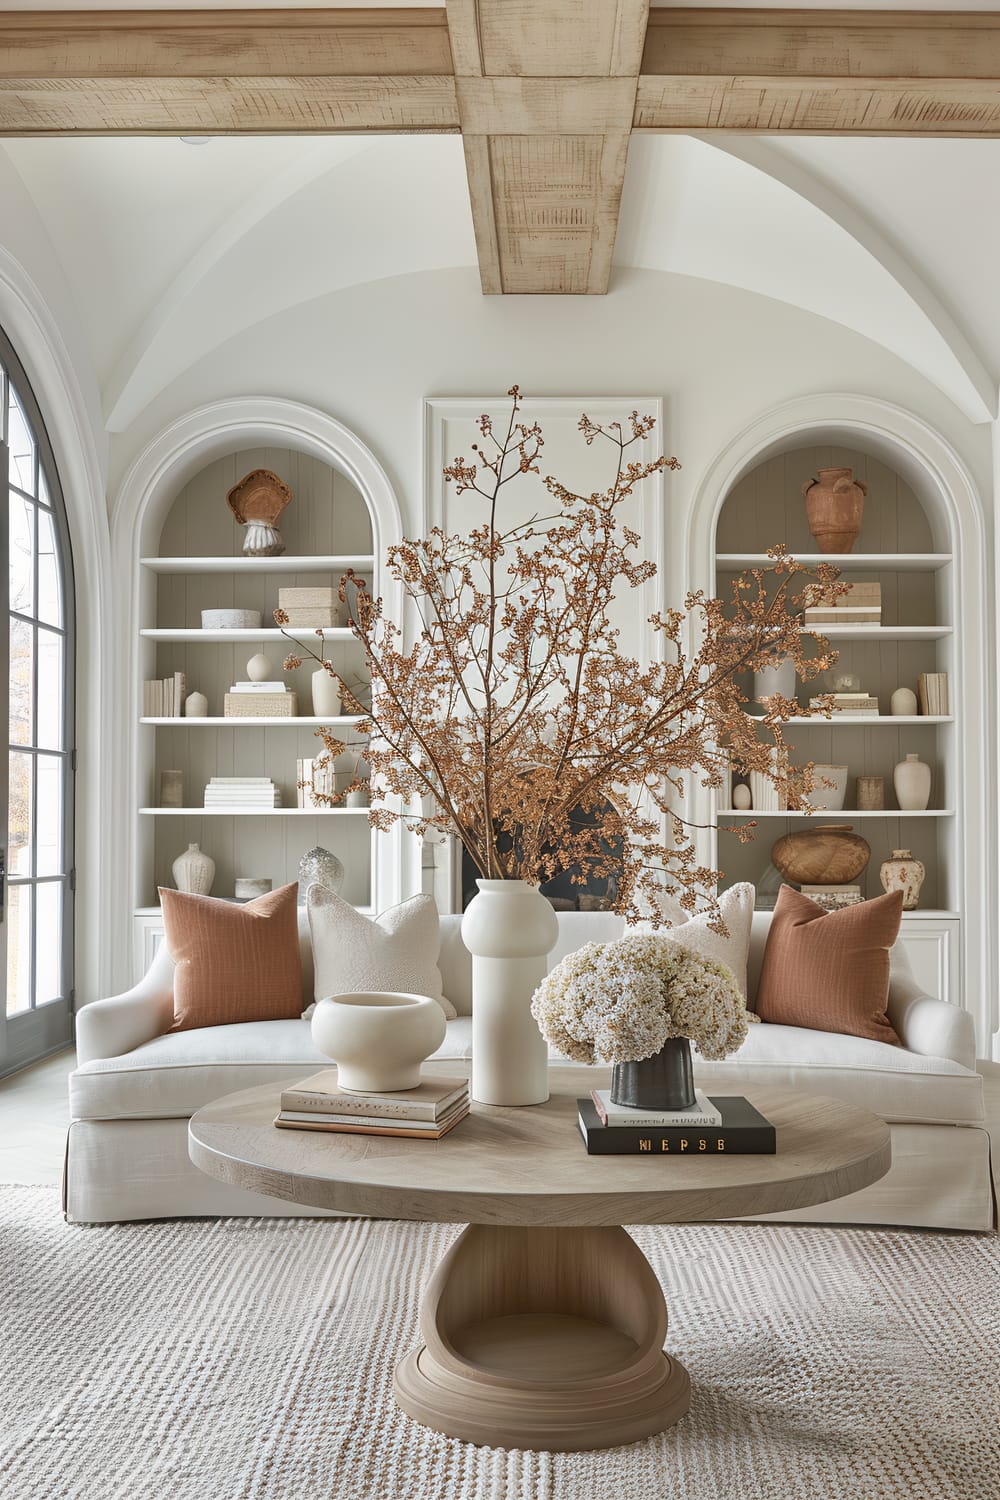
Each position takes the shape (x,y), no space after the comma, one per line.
(123,1170)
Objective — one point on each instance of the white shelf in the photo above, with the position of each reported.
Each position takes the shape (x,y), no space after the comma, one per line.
(843,815)
(246,637)
(254,812)
(283,564)
(883,721)
(884,562)
(880,632)
(299,721)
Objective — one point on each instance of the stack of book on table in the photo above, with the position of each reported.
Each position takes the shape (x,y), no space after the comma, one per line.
(242,791)
(425,1113)
(709,1127)
(861,604)
(265,700)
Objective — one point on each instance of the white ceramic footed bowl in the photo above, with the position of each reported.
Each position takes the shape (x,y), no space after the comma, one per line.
(378,1040)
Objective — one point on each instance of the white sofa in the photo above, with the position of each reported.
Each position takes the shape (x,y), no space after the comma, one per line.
(136,1086)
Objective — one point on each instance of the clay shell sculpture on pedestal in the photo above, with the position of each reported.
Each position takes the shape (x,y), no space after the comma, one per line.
(257,503)
(835,503)
(832,854)
(903,873)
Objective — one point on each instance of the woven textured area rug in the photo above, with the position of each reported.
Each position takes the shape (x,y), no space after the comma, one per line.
(252,1359)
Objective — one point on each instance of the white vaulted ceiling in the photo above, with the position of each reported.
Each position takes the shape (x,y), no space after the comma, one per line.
(169,250)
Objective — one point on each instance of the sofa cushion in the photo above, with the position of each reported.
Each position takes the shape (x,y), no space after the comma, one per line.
(398,951)
(830,970)
(233,963)
(890,1081)
(176,1074)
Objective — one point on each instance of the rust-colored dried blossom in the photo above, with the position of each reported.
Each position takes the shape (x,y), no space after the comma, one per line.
(512,712)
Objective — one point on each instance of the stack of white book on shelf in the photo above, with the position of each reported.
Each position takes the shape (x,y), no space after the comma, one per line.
(833,897)
(314,779)
(163,697)
(242,791)
(849,703)
(861,604)
(932,693)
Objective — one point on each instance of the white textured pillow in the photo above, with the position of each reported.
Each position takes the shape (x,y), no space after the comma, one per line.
(694,932)
(398,952)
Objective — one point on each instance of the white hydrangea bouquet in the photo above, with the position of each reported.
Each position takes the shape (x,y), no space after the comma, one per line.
(621,1002)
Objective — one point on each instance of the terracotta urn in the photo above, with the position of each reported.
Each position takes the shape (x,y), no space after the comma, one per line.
(835,502)
(832,854)
(903,873)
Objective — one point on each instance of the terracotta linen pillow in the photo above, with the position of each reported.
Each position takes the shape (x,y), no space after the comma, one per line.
(233,963)
(830,970)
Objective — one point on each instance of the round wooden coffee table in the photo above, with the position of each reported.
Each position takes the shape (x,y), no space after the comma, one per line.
(543,1326)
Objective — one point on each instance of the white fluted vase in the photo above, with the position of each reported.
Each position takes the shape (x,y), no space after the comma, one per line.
(509,929)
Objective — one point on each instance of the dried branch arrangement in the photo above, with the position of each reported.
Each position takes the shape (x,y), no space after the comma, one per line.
(512,719)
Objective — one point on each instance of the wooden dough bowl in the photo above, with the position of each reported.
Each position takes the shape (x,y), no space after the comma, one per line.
(829,855)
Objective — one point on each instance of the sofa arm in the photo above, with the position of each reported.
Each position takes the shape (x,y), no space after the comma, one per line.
(925,1025)
(107,1028)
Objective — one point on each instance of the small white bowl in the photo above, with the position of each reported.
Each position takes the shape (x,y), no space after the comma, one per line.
(230,619)
(378,1040)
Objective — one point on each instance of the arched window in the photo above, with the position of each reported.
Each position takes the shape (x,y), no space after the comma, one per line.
(36,934)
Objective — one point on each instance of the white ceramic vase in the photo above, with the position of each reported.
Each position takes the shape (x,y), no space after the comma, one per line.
(509,928)
(325,695)
(196,706)
(378,1040)
(193,871)
(779,678)
(912,782)
(903,703)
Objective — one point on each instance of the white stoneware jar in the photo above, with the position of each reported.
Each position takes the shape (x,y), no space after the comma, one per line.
(193,871)
(912,781)
(378,1040)
(196,706)
(509,928)
(779,678)
(325,695)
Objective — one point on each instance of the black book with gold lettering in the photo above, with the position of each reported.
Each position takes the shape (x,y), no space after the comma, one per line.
(743,1132)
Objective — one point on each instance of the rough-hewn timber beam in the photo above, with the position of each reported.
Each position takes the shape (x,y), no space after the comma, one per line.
(252,71)
(546,97)
(837,72)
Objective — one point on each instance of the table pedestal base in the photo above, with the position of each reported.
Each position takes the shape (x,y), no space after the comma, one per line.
(543,1339)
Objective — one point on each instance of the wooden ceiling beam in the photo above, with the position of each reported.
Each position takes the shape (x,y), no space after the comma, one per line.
(225,72)
(546,97)
(837,72)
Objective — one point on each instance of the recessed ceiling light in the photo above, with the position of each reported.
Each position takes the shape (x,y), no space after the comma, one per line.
(196,140)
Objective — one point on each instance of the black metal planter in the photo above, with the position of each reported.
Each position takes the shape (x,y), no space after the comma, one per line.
(663,1081)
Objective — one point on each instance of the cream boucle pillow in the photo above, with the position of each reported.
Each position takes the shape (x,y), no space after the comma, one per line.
(694,933)
(397,952)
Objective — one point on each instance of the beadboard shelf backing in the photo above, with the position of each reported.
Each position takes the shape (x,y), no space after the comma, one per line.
(912,558)
(326,528)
